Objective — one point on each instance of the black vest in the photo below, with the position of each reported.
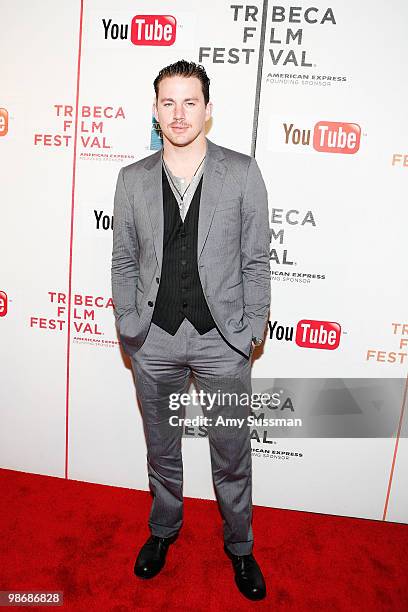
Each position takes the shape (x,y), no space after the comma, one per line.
(180,293)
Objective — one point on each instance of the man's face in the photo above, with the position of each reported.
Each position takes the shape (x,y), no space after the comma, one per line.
(181,110)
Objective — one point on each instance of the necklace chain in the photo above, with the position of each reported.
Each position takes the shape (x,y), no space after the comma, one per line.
(175,187)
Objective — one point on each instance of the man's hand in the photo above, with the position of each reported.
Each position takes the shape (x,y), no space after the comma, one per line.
(256,342)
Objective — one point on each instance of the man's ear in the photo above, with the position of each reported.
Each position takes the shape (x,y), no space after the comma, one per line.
(208,110)
(154,111)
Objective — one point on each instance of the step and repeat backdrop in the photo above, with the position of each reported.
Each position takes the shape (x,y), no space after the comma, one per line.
(318,95)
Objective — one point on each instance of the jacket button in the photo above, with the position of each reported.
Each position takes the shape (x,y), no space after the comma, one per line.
(150,303)
(184,304)
(157,279)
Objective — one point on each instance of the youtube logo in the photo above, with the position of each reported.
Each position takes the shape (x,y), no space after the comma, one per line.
(303,135)
(309,333)
(154,30)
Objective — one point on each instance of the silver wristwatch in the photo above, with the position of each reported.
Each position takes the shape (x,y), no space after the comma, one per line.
(257,341)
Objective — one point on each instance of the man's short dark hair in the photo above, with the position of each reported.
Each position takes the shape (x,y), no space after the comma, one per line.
(186,69)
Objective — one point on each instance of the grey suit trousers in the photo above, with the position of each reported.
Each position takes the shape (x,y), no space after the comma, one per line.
(163,365)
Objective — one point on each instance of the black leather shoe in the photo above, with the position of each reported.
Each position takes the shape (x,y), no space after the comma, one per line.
(248,575)
(152,556)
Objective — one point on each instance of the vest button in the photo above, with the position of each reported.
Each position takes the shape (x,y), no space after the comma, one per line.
(183,248)
(150,303)
(183,262)
(183,234)
(157,279)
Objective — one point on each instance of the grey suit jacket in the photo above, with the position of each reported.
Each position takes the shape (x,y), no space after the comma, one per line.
(232,247)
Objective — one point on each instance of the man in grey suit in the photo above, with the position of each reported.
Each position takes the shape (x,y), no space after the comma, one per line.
(191,289)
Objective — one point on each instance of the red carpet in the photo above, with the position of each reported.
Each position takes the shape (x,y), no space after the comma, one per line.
(82,539)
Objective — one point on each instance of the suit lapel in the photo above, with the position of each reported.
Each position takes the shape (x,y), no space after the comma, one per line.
(213,179)
(153,190)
